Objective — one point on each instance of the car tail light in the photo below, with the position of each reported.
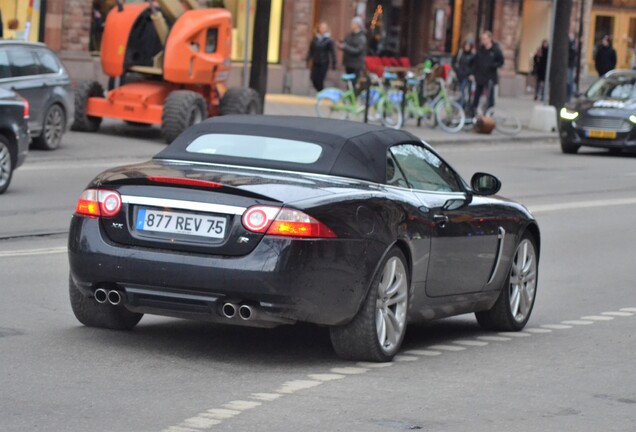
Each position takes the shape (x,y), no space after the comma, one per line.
(98,202)
(26,107)
(284,222)
(185,181)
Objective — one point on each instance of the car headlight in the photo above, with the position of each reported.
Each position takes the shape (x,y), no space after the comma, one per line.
(632,118)
(567,114)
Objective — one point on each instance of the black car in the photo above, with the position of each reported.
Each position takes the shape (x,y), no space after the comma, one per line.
(36,73)
(605,116)
(14,135)
(261,221)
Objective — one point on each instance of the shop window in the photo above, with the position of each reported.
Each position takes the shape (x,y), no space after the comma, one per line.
(20,21)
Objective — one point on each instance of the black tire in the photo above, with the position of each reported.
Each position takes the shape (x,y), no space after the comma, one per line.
(240,100)
(359,339)
(92,314)
(569,148)
(7,163)
(53,128)
(81,121)
(182,109)
(500,317)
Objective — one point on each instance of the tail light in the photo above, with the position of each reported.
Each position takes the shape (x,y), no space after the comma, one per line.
(98,202)
(284,222)
(185,181)
(26,107)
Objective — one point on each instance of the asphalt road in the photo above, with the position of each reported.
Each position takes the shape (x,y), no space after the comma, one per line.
(571,370)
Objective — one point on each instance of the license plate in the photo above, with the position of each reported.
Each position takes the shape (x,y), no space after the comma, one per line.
(180,223)
(601,134)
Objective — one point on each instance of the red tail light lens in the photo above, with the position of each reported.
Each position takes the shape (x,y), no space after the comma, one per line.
(98,202)
(26,107)
(284,222)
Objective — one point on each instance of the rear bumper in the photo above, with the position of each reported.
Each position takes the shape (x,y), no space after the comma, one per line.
(287,280)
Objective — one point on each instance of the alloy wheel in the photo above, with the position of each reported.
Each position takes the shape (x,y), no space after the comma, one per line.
(391,305)
(5,165)
(54,127)
(523,281)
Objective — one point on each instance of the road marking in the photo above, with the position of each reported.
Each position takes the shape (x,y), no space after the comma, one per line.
(514,334)
(201,422)
(538,330)
(291,387)
(325,377)
(556,326)
(349,370)
(374,365)
(447,348)
(428,353)
(241,405)
(406,358)
(265,397)
(618,314)
(629,309)
(577,322)
(33,252)
(547,208)
(181,429)
(493,338)
(597,318)
(471,343)
(219,413)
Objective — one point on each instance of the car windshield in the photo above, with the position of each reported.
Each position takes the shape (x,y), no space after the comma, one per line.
(613,87)
(256,147)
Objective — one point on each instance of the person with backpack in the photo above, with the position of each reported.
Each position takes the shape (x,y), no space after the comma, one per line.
(321,55)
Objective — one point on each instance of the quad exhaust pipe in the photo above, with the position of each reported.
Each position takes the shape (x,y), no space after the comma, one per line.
(232,310)
(113,297)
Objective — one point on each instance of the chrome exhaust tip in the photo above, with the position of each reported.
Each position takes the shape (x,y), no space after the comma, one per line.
(114,297)
(101,296)
(246,312)
(229,310)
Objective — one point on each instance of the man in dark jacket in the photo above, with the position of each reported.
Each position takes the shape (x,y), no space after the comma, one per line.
(488,60)
(321,55)
(354,48)
(605,56)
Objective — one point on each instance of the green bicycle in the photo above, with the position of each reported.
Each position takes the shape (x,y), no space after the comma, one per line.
(336,103)
(438,110)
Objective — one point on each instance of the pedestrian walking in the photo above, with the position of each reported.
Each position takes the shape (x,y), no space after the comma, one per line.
(321,55)
(540,68)
(605,56)
(488,59)
(354,48)
(463,67)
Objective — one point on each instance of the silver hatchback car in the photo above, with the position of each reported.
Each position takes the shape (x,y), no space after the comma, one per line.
(35,72)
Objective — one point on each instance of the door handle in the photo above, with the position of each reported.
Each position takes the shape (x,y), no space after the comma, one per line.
(440,220)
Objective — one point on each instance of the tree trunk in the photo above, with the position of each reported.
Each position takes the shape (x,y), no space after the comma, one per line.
(260,42)
(559,54)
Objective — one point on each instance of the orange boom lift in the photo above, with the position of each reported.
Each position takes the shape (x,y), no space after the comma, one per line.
(171,59)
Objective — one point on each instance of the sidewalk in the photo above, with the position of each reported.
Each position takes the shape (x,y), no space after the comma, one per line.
(521,107)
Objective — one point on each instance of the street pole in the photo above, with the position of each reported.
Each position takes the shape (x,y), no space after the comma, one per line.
(548,69)
(579,46)
(246,51)
(559,48)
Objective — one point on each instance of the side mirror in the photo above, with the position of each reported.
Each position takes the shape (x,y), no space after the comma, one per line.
(485,184)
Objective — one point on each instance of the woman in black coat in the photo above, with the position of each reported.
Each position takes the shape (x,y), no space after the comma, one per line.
(322,54)
(540,69)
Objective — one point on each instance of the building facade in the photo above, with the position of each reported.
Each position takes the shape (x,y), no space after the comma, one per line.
(415,29)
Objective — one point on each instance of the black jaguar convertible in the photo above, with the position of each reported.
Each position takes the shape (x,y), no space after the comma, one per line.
(263,221)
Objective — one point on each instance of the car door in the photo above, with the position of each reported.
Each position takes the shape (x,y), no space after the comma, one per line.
(27,82)
(464,234)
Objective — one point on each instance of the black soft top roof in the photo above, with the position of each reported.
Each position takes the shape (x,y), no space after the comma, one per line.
(350,149)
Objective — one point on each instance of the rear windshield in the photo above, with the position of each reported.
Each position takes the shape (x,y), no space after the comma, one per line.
(256,147)
(613,87)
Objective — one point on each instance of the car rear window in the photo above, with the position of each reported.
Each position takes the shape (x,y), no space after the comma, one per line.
(256,147)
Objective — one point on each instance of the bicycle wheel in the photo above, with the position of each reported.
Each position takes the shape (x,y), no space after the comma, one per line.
(374,114)
(507,124)
(450,116)
(390,114)
(327,108)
